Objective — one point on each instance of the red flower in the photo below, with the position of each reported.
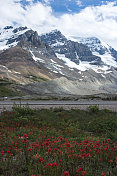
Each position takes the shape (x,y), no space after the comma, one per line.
(25,136)
(108,140)
(103,174)
(49,150)
(68,145)
(79,169)
(83,173)
(2,153)
(29,149)
(49,164)
(66,173)
(40,160)
(60,161)
(110,161)
(54,164)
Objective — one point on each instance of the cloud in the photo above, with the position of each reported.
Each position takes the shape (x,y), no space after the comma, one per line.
(10,11)
(79,3)
(99,21)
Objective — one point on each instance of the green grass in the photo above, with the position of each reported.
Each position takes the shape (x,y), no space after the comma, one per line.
(101,123)
(6,88)
(37,78)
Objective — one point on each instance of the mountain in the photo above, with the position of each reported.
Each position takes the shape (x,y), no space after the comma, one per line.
(74,51)
(88,66)
(99,48)
(87,53)
(17,46)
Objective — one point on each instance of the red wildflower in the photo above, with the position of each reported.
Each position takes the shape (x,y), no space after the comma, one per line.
(54,164)
(79,169)
(83,173)
(49,164)
(2,153)
(36,146)
(110,161)
(60,161)
(40,160)
(66,173)
(49,150)
(25,136)
(29,149)
(68,145)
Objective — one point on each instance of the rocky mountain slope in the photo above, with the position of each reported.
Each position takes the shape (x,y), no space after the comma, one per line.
(88,66)
(63,86)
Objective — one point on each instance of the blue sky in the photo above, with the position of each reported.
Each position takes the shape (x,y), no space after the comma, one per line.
(76,18)
(68,6)
(73,6)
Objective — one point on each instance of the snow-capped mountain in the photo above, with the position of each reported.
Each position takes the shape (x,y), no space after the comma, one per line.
(9,36)
(99,48)
(72,50)
(28,57)
(84,58)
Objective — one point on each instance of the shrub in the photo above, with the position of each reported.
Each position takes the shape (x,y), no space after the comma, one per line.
(93,108)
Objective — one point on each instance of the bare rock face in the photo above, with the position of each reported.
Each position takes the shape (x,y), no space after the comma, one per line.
(30,38)
(18,60)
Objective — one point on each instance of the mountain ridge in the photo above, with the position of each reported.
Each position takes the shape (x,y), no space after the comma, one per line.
(53,56)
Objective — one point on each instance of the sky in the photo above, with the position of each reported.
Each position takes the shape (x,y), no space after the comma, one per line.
(74,18)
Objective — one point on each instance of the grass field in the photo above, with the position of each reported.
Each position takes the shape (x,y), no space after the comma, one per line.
(58,143)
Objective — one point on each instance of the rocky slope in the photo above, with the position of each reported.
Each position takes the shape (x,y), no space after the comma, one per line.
(63,86)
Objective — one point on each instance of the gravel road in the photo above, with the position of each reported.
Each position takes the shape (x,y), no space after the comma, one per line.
(7,105)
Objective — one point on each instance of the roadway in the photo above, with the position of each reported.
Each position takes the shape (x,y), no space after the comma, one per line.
(46,104)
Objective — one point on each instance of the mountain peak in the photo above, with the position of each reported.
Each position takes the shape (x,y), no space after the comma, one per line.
(8,27)
(19,29)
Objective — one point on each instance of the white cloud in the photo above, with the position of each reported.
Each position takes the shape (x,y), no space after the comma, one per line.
(10,11)
(100,21)
(79,3)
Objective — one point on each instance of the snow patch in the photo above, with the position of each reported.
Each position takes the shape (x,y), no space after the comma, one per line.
(36,58)
(107,59)
(83,66)
(17,72)
(61,73)
(57,44)
(52,61)
(54,71)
